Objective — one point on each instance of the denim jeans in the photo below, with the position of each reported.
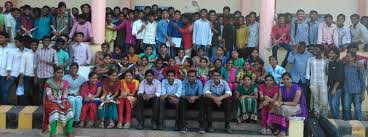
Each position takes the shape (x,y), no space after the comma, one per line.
(288,47)
(335,103)
(352,98)
(5,89)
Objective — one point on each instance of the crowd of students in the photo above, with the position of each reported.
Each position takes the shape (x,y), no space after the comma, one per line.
(163,58)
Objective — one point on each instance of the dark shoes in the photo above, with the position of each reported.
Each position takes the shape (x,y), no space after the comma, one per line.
(140,126)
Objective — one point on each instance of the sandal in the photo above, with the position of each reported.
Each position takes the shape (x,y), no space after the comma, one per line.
(89,124)
(120,125)
(81,124)
(102,125)
(263,131)
(127,125)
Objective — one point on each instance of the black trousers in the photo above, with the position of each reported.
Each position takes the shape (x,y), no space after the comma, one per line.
(185,104)
(30,96)
(141,103)
(167,103)
(225,105)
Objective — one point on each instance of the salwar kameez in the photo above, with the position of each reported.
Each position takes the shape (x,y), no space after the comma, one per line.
(265,109)
(248,106)
(109,109)
(129,102)
(89,108)
(57,107)
(230,77)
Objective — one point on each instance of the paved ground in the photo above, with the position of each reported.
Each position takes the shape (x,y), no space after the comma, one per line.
(119,133)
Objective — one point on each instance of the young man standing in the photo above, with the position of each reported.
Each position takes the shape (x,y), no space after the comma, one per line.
(170,94)
(242,33)
(82,53)
(63,22)
(150,31)
(217,93)
(253,38)
(202,32)
(138,31)
(343,33)
(46,58)
(162,25)
(281,38)
(5,77)
(335,81)
(11,23)
(327,34)
(27,73)
(300,29)
(359,33)
(313,24)
(174,32)
(316,73)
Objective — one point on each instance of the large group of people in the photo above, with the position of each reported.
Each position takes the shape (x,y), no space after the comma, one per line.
(163,58)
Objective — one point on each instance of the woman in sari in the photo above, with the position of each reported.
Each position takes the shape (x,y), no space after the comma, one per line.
(56,105)
(107,109)
(248,93)
(229,74)
(127,99)
(290,102)
(268,93)
(90,90)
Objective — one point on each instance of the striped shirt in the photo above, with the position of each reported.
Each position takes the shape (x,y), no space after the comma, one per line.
(317,71)
(354,79)
(44,70)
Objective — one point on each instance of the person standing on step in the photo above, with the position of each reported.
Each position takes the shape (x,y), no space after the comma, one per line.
(335,81)
(148,93)
(217,93)
(281,38)
(328,34)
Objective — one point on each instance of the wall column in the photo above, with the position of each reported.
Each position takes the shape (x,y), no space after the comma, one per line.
(363,7)
(246,6)
(266,23)
(98,20)
(127,3)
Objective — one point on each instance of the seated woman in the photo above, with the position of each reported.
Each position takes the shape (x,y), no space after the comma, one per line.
(103,68)
(275,70)
(290,102)
(268,93)
(163,55)
(229,74)
(200,55)
(248,95)
(90,92)
(107,110)
(158,70)
(99,55)
(220,54)
(74,97)
(203,70)
(254,57)
(181,57)
(127,99)
(56,104)
(117,55)
(141,68)
(259,70)
(133,58)
(246,71)
(149,54)
(187,65)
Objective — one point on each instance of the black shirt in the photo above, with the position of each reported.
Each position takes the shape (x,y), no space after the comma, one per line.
(336,74)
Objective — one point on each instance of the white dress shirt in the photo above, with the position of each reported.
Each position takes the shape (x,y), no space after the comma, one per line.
(82,54)
(137,25)
(150,33)
(4,59)
(28,64)
(15,59)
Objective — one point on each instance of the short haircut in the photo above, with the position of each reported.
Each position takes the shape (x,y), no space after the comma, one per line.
(171,71)
(328,16)
(177,11)
(341,15)
(192,71)
(200,60)
(204,10)
(170,8)
(212,11)
(335,50)
(149,72)
(19,38)
(355,15)
(74,64)
(353,46)
(46,37)
(313,12)
(61,4)
(302,43)
(300,10)
(6,35)
(226,8)
(281,15)
(78,33)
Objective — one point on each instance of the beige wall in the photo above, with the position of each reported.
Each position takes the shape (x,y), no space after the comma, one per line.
(69,3)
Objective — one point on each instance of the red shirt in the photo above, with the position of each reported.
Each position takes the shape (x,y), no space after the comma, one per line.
(26,22)
(186,34)
(278,31)
(175,68)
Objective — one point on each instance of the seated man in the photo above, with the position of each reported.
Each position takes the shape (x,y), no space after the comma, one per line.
(148,93)
(170,94)
(192,95)
(217,92)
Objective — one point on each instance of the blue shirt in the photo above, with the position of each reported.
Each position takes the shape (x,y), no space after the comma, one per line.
(301,33)
(217,90)
(276,73)
(313,32)
(43,24)
(299,66)
(354,79)
(74,84)
(172,31)
(175,88)
(162,31)
(195,89)
(253,37)
(202,32)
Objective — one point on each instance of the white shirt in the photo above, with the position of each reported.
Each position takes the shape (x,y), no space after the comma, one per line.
(82,54)
(9,21)
(28,64)
(4,59)
(15,58)
(150,33)
(317,71)
(137,25)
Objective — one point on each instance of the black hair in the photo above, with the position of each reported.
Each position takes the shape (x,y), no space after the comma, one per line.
(19,38)
(328,16)
(313,11)
(270,76)
(57,68)
(335,50)
(300,10)
(74,64)
(170,8)
(226,8)
(61,4)
(6,35)
(78,33)
(353,45)
(149,72)
(286,74)
(91,74)
(111,71)
(177,11)
(171,71)
(355,15)
(60,40)
(192,71)
(107,44)
(89,6)
(211,11)
(341,15)
(205,10)
(46,37)
(302,43)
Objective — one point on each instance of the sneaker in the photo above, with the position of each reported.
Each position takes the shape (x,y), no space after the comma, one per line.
(127,125)
(201,130)
(102,125)
(183,130)
(210,130)
(120,125)
(140,126)
(263,131)
(89,124)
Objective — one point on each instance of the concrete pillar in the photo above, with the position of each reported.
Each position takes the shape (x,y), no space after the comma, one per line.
(246,6)
(267,15)
(363,7)
(127,3)
(98,20)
